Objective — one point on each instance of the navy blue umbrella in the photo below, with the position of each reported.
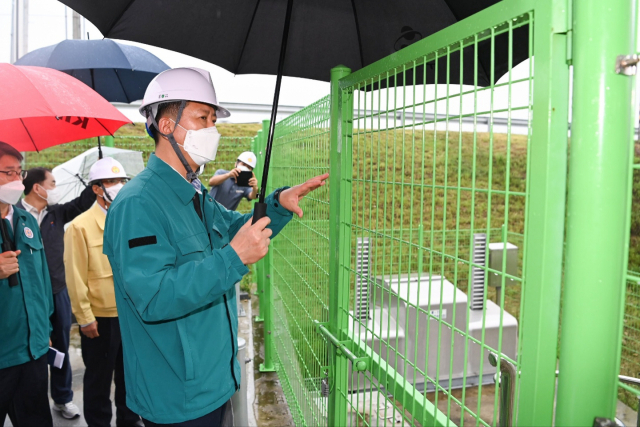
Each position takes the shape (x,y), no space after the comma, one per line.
(118,72)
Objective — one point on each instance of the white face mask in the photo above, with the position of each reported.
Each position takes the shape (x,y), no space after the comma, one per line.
(113,191)
(53,196)
(10,193)
(201,144)
(244,168)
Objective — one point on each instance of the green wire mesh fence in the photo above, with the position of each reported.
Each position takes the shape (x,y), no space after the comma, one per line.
(300,265)
(430,204)
(630,360)
(432,241)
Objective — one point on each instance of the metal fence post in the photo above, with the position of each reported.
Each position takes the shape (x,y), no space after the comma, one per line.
(341,111)
(599,183)
(267,365)
(266,297)
(257,146)
(545,215)
(108,141)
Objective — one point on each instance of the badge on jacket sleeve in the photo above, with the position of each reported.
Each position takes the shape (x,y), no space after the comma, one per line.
(28,233)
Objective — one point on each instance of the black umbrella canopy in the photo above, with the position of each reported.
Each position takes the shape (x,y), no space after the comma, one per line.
(118,72)
(244,36)
(301,38)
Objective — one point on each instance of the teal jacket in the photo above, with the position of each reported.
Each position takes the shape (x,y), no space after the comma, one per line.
(175,291)
(25,309)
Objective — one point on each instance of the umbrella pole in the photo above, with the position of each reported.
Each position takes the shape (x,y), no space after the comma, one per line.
(260,208)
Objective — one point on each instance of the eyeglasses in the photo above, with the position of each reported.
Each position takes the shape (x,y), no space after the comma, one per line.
(115,181)
(13,174)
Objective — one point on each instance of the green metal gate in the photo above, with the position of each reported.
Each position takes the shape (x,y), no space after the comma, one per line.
(434,257)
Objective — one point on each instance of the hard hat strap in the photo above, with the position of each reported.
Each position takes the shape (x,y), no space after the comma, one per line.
(106,195)
(191,175)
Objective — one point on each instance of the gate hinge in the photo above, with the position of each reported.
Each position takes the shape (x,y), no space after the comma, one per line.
(570,47)
(343,348)
(627,64)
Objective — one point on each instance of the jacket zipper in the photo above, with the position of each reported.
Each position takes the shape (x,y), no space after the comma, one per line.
(233,344)
(203,218)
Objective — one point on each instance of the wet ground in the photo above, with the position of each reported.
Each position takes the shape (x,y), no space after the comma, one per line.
(270,406)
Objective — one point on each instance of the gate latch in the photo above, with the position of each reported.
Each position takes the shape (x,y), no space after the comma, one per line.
(627,64)
(359,363)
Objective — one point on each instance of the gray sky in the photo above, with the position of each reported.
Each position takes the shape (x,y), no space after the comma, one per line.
(47,27)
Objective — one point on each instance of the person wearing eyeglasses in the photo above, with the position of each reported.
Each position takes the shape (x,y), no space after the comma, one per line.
(90,283)
(41,200)
(26,304)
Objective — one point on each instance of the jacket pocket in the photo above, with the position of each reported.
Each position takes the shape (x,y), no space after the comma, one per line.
(102,292)
(30,260)
(34,244)
(98,262)
(186,349)
(195,243)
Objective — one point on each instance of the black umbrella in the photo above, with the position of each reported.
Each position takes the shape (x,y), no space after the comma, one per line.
(118,72)
(246,36)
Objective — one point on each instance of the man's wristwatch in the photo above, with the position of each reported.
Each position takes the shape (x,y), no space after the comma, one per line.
(276,195)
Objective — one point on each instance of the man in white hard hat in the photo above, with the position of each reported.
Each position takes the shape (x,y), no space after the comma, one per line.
(176,256)
(90,284)
(224,184)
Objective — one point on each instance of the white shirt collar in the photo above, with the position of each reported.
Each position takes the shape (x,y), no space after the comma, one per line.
(39,216)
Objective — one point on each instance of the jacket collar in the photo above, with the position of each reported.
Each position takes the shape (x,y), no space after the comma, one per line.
(182,189)
(19,213)
(19,217)
(98,214)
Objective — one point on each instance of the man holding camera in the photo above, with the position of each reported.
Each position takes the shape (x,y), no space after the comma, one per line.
(229,187)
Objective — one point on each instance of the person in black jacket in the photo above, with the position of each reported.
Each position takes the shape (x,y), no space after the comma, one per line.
(41,201)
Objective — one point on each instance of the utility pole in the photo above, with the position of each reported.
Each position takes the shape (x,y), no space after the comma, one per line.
(19,29)
(76,24)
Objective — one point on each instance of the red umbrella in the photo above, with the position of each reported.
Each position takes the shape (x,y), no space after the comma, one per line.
(41,107)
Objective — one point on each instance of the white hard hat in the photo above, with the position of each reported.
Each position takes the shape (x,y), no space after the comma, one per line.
(106,168)
(249,158)
(180,84)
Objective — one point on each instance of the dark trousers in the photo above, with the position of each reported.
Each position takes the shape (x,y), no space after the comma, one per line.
(61,391)
(213,419)
(23,394)
(103,358)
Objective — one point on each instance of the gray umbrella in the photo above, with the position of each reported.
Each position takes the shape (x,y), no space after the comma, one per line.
(118,72)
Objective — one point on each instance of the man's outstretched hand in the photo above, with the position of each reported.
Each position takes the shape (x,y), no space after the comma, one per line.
(290,197)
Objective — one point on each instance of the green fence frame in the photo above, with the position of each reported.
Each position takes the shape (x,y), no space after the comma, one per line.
(322,351)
